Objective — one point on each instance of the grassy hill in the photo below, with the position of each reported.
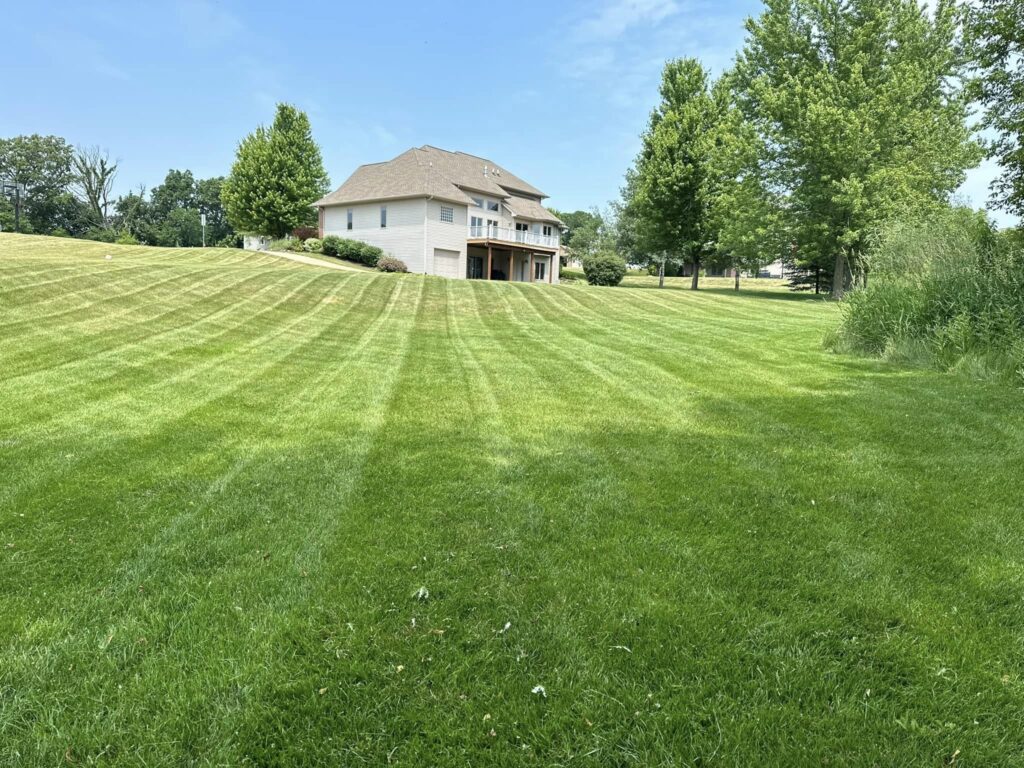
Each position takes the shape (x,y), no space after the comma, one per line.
(256,512)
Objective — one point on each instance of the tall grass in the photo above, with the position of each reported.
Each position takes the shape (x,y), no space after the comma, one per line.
(947,292)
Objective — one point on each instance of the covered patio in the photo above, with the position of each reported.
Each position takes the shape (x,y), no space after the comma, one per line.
(509,262)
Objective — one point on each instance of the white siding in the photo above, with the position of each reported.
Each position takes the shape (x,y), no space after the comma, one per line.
(402,238)
(448,236)
(415,230)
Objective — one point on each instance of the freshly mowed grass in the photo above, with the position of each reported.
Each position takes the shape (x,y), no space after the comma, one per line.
(225,477)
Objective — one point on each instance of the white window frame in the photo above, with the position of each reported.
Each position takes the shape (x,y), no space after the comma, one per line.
(447,214)
(348,219)
(547,230)
(493,206)
(478,202)
(383,217)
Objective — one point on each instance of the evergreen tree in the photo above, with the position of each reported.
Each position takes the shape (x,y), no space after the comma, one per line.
(277,175)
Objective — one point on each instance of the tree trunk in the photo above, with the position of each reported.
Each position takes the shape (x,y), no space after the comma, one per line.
(661,274)
(736,273)
(839,275)
(696,276)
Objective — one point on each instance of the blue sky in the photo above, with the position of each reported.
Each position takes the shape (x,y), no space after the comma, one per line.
(556,92)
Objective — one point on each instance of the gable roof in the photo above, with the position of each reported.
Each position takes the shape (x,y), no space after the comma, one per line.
(528,208)
(433,172)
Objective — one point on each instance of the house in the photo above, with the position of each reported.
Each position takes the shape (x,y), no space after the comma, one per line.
(449,214)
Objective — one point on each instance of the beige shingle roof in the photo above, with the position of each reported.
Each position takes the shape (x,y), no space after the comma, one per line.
(527,208)
(408,175)
(429,171)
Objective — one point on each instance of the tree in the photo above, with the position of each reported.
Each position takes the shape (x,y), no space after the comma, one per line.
(668,193)
(585,232)
(277,175)
(995,33)
(746,215)
(93,180)
(43,165)
(859,108)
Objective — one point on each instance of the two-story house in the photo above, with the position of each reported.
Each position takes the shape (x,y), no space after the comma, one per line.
(449,214)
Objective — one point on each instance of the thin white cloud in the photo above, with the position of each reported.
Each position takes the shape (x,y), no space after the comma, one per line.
(207,24)
(616,17)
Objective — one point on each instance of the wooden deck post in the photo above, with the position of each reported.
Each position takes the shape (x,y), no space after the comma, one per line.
(511,262)
(489,257)
(531,266)
(551,268)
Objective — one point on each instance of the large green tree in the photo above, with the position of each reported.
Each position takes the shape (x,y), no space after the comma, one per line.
(277,175)
(996,36)
(859,107)
(668,192)
(43,165)
(745,212)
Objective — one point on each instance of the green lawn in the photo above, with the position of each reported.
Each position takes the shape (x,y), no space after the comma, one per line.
(225,477)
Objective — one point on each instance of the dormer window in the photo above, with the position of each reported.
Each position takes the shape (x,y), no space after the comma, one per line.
(478,202)
(491,205)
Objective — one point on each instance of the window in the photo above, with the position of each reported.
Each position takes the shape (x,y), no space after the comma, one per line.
(348,224)
(539,270)
(476,267)
(547,230)
(492,228)
(491,205)
(447,214)
(383,216)
(522,227)
(478,202)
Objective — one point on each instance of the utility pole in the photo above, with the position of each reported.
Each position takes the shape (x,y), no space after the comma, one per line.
(10,188)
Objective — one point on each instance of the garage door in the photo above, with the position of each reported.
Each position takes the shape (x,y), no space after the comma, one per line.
(446,263)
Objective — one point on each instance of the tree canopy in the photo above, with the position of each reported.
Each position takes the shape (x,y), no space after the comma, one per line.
(669,189)
(277,175)
(860,111)
(996,39)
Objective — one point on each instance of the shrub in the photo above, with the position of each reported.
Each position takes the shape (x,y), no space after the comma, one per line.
(296,246)
(945,289)
(370,255)
(102,234)
(391,264)
(126,238)
(604,269)
(60,232)
(331,245)
(280,244)
(304,233)
(352,250)
(313,245)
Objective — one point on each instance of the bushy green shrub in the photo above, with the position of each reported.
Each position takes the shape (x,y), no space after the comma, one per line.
(352,250)
(101,234)
(391,264)
(280,244)
(331,245)
(126,238)
(312,245)
(604,269)
(296,246)
(947,285)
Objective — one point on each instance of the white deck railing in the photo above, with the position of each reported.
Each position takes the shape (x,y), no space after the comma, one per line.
(510,235)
